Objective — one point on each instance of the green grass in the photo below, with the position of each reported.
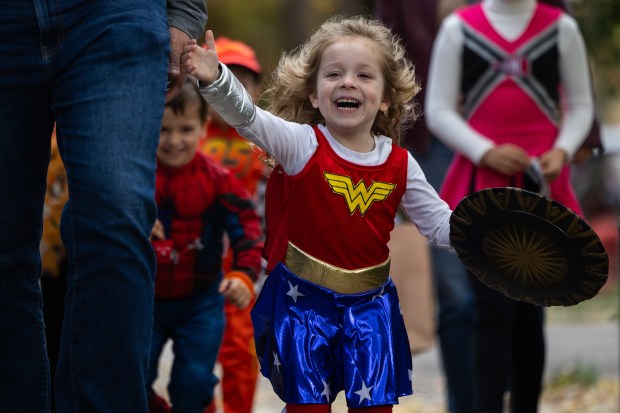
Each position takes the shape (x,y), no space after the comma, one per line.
(581,375)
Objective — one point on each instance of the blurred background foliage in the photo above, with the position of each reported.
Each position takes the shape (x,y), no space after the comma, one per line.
(599,21)
(272,27)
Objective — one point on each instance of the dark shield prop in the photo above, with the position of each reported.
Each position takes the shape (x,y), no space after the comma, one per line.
(528,247)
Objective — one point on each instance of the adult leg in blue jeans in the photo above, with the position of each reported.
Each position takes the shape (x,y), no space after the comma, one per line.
(455,310)
(99,69)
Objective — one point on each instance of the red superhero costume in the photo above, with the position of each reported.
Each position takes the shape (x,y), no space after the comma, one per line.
(197,204)
(303,220)
(334,283)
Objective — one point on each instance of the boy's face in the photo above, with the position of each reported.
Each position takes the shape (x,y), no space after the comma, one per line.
(179,136)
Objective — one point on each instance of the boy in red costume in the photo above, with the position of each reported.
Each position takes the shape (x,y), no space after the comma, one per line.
(198,202)
(223,144)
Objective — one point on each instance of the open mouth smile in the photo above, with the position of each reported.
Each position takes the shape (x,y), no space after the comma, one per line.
(347,104)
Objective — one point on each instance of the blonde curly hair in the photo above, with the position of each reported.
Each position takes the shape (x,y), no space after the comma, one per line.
(296,75)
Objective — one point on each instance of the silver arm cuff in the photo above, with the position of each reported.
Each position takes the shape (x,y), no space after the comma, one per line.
(230,99)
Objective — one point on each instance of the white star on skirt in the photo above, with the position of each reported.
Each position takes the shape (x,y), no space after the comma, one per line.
(293,292)
(326,391)
(364,392)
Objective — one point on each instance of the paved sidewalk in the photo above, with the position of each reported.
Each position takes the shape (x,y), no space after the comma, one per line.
(568,346)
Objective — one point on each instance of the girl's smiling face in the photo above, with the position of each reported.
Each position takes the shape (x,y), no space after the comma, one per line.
(350,89)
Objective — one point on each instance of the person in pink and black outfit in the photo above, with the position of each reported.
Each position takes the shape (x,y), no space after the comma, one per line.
(509,92)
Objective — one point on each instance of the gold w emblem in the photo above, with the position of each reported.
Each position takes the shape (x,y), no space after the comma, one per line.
(358,196)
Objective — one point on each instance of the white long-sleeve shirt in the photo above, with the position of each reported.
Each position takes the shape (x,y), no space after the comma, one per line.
(293,144)
(509,18)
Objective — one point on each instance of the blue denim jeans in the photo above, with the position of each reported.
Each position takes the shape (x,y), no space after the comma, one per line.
(97,68)
(196,327)
(455,300)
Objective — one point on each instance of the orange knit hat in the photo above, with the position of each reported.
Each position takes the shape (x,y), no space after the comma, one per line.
(233,52)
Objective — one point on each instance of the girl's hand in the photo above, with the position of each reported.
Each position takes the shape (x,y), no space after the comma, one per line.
(236,292)
(508,159)
(552,162)
(201,63)
(158,231)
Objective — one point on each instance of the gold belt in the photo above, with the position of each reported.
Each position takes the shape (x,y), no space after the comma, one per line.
(334,278)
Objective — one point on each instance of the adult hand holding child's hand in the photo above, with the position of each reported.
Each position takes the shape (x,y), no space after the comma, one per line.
(201,63)
(176,73)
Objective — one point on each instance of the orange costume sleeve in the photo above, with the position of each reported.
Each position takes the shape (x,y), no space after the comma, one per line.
(52,249)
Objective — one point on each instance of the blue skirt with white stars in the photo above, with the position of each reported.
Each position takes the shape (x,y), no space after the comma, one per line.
(312,342)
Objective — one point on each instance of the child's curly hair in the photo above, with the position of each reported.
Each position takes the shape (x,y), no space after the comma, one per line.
(296,75)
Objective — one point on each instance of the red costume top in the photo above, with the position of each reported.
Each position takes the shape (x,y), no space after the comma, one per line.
(511,95)
(197,204)
(355,204)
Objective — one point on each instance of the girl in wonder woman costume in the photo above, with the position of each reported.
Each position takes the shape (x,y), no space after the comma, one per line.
(328,317)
